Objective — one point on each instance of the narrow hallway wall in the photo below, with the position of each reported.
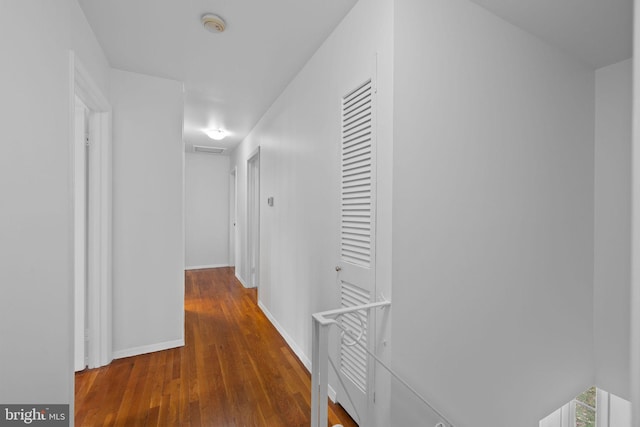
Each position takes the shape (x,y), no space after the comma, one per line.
(148,221)
(612,260)
(299,139)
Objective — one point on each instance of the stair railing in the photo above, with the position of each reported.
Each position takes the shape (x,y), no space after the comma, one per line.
(320,361)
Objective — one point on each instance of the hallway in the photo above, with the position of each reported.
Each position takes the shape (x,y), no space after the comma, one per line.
(235,370)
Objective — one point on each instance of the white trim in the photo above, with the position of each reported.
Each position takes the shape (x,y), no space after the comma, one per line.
(233,216)
(332,393)
(144,349)
(252,207)
(293,345)
(99,295)
(80,209)
(635,229)
(71,227)
(241,280)
(201,267)
(183,228)
(602,408)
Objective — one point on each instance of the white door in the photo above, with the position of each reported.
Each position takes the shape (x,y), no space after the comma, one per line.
(253,219)
(80,233)
(356,266)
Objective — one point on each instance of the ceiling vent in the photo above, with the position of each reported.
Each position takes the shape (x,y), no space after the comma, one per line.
(213,23)
(208,150)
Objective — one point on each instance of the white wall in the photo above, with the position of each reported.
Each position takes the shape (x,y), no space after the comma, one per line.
(493,217)
(206,210)
(36,308)
(148,233)
(612,261)
(299,139)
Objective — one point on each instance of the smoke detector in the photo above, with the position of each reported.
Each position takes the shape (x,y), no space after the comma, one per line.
(213,23)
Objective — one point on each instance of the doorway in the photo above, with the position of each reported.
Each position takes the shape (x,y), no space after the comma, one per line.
(253,219)
(232,218)
(90,115)
(357,251)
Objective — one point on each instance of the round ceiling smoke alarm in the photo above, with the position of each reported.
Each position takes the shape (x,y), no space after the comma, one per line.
(213,23)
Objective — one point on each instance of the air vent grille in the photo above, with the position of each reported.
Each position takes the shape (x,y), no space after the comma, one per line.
(208,150)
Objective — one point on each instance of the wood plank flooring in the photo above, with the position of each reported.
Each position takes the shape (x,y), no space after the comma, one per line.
(234,371)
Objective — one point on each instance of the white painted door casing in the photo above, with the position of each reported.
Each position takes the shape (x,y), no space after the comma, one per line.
(356,266)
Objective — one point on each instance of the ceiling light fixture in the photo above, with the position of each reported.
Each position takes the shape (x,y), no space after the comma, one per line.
(216,134)
(213,23)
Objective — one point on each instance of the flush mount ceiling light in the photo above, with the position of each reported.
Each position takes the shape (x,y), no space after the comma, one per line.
(216,134)
(213,23)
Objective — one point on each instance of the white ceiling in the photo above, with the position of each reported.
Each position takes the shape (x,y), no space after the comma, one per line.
(232,78)
(596,32)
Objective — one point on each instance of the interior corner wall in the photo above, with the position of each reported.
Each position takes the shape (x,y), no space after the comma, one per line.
(493,218)
(206,210)
(612,231)
(299,140)
(36,218)
(148,223)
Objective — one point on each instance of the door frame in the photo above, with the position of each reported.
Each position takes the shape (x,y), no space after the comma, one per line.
(233,215)
(80,211)
(635,227)
(253,220)
(99,225)
(354,273)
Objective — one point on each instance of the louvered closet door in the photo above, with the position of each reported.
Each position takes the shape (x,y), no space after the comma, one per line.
(357,240)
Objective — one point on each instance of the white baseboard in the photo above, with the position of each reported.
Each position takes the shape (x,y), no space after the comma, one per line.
(332,393)
(200,267)
(294,346)
(241,280)
(144,349)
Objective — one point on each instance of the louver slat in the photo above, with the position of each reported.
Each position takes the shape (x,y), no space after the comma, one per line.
(353,359)
(357,173)
(356,220)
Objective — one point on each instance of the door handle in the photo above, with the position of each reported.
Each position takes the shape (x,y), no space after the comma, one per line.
(338,268)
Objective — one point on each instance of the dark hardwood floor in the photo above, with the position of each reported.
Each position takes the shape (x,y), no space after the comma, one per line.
(234,371)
